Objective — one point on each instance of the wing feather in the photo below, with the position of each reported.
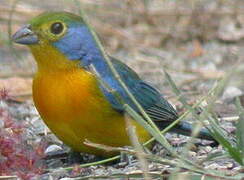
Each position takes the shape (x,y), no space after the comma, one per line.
(149,98)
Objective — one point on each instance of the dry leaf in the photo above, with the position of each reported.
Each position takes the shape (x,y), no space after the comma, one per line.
(17,86)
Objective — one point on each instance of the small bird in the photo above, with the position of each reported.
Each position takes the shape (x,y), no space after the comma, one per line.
(72,99)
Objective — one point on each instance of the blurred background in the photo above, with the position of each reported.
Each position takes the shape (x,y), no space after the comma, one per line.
(196,41)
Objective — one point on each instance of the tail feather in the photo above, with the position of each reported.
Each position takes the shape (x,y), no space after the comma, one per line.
(186,128)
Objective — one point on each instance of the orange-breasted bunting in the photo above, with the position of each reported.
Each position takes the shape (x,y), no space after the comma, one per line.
(68,95)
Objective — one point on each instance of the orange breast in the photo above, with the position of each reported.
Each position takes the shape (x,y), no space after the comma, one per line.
(74,108)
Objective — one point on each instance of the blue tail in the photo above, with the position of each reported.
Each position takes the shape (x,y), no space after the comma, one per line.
(186,128)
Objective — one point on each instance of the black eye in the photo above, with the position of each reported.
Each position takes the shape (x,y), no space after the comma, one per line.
(57,28)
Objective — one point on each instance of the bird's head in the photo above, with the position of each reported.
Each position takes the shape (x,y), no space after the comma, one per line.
(58,40)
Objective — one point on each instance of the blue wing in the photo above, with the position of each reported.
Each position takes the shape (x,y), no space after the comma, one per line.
(149,98)
(153,102)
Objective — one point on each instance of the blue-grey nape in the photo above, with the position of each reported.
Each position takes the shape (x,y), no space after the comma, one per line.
(78,44)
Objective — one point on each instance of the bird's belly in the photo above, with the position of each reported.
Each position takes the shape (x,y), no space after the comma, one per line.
(74,108)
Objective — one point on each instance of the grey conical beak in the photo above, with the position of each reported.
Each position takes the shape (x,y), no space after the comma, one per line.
(25,36)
